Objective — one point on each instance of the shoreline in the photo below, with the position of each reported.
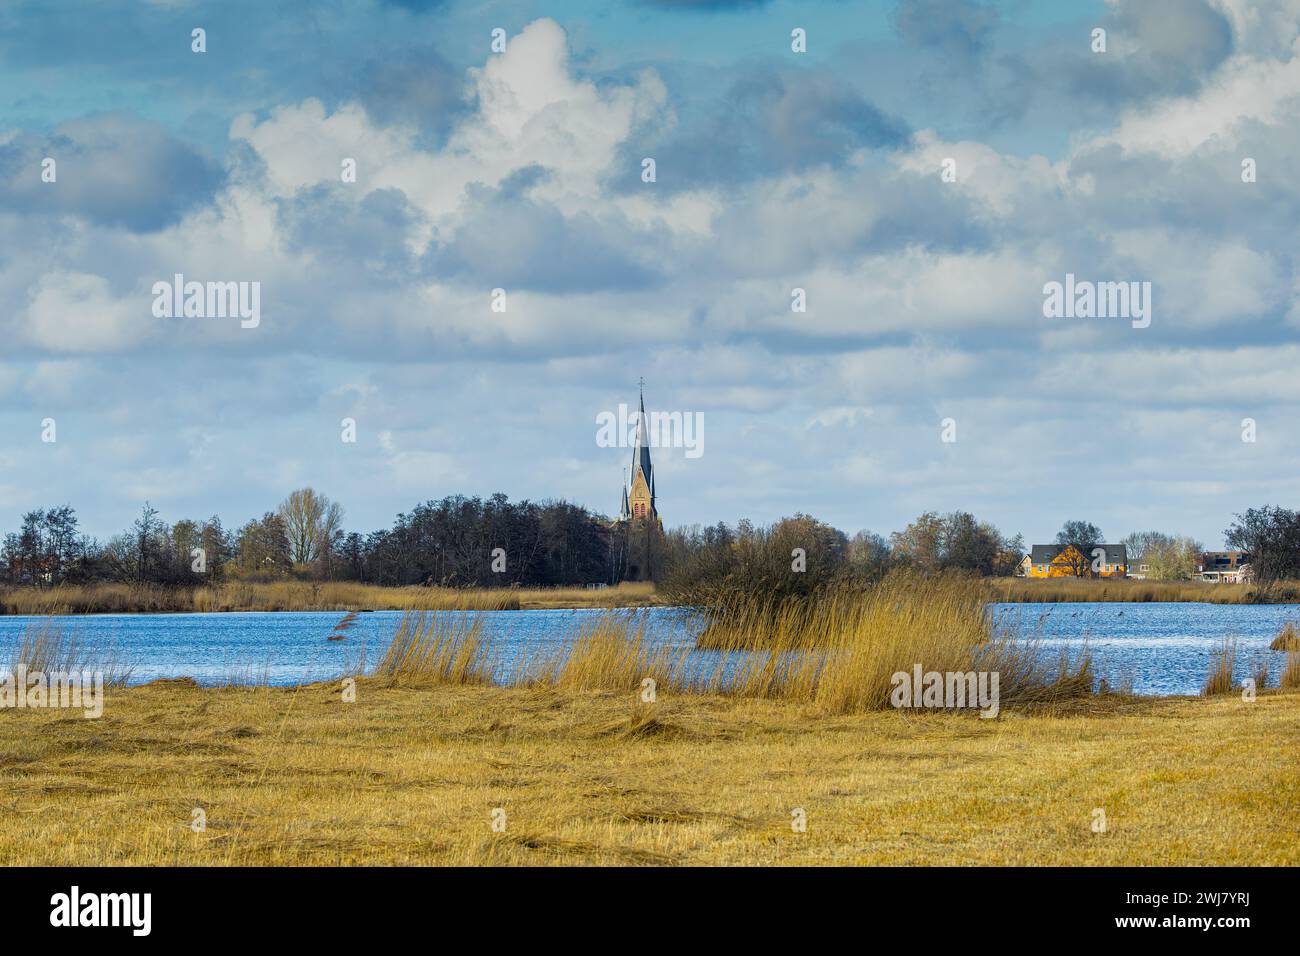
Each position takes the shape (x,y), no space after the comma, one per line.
(344,597)
(298,596)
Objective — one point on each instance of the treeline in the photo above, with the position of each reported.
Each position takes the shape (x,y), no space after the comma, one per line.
(455,542)
(474,542)
(797,557)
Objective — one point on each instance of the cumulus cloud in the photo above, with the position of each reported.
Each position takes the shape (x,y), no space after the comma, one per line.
(524,172)
(110,169)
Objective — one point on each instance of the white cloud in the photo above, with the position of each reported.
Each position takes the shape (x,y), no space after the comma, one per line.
(78,312)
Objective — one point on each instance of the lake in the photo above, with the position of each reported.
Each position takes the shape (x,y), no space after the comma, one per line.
(1154,648)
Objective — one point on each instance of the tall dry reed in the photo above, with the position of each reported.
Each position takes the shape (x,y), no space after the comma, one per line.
(839,653)
(249,596)
(433,648)
(1072,589)
(1223,662)
(1291,672)
(1287,639)
(50,647)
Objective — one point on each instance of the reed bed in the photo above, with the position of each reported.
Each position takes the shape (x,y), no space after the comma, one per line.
(309,596)
(1291,672)
(249,596)
(49,647)
(1222,664)
(436,649)
(1128,590)
(626,594)
(1287,639)
(839,653)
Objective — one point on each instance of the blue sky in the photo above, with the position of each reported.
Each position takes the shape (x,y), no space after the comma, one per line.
(775,170)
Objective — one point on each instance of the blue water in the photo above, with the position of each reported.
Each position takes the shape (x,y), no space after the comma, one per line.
(1156,648)
(1150,648)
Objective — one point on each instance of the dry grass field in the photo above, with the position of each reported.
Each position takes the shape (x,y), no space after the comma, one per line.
(1131,590)
(412,775)
(791,721)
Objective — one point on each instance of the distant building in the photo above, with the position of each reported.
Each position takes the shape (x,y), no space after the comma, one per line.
(1067,561)
(639,494)
(1224,567)
(640,529)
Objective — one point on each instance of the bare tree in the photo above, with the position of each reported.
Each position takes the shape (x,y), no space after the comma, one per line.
(312,522)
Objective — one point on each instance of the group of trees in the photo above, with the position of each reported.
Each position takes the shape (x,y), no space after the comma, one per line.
(956,541)
(48,545)
(797,556)
(455,542)
(792,558)
(1166,557)
(462,541)
(1271,536)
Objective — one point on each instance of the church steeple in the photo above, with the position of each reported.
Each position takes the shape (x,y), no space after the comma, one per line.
(639,494)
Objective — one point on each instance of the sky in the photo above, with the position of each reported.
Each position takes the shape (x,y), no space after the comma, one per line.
(922,170)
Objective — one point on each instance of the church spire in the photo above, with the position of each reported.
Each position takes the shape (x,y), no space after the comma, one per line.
(641,453)
(639,492)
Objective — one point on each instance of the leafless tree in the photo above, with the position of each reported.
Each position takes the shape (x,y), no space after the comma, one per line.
(312,522)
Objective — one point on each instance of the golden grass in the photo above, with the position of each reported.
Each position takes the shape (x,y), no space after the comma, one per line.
(1071,589)
(412,776)
(1287,639)
(1290,678)
(52,647)
(308,596)
(839,654)
(437,648)
(627,594)
(1222,663)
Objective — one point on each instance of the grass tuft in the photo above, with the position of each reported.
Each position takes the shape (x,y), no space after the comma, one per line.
(1291,673)
(49,647)
(839,653)
(1222,663)
(1287,639)
(435,649)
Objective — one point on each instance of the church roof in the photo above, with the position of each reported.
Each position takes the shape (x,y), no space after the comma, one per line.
(641,453)
(641,465)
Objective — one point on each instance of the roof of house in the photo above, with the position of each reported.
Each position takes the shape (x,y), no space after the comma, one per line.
(1111,553)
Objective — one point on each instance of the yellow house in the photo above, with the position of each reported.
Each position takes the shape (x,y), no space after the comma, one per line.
(1067,561)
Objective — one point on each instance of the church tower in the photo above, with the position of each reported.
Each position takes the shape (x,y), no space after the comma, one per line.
(639,494)
(641,531)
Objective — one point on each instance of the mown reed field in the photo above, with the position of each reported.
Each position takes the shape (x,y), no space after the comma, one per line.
(838,653)
(410,775)
(1069,589)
